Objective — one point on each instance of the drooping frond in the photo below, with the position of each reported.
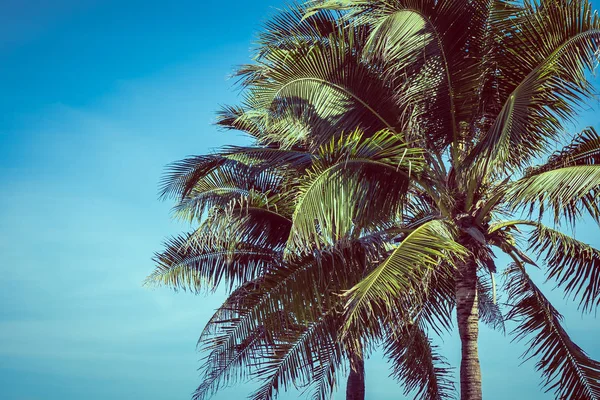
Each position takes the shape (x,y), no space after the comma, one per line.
(572,264)
(566,368)
(181,176)
(295,357)
(489,310)
(584,149)
(416,363)
(327,87)
(225,185)
(192,263)
(299,287)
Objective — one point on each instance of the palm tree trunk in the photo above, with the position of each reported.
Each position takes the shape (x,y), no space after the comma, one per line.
(355,388)
(468,315)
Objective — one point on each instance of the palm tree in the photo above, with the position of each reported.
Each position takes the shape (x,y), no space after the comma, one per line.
(283,316)
(484,88)
(450,103)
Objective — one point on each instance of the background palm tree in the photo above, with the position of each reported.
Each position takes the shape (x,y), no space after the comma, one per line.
(283,317)
(468,95)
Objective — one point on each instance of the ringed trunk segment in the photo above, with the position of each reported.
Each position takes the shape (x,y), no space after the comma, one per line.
(355,388)
(468,318)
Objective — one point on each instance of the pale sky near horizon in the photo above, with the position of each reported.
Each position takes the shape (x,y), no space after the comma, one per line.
(96,97)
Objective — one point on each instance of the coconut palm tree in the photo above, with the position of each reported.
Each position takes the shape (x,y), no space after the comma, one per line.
(281,321)
(480,91)
(484,88)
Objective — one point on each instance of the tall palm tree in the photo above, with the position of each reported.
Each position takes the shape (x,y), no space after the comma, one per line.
(476,91)
(484,88)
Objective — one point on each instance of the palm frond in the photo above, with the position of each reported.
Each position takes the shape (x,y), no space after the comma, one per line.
(425,374)
(566,191)
(342,193)
(566,368)
(295,358)
(327,85)
(489,310)
(557,42)
(584,149)
(401,272)
(190,263)
(572,264)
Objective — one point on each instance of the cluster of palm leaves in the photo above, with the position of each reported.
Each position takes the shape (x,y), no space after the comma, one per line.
(396,145)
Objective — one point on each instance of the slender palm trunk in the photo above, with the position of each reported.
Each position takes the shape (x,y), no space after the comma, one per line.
(355,388)
(468,315)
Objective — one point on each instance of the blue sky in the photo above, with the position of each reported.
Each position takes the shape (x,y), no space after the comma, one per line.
(96,97)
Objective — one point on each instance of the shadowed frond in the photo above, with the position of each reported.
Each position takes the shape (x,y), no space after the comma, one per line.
(489,310)
(190,263)
(416,363)
(567,369)
(327,85)
(558,42)
(573,265)
(584,149)
(295,357)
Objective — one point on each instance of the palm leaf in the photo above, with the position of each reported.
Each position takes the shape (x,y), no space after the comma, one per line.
(584,149)
(401,272)
(566,191)
(543,82)
(342,193)
(574,265)
(415,362)
(566,368)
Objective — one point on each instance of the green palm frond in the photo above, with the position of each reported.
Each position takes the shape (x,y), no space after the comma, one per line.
(557,43)
(566,191)
(342,193)
(292,28)
(224,186)
(327,84)
(425,374)
(574,265)
(181,176)
(401,272)
(566,368)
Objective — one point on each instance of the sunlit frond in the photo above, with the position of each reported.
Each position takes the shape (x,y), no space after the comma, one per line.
(354,184)
(401,272)
(566,191)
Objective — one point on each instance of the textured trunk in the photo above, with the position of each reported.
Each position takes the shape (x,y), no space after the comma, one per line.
(468,314)
(355,389)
